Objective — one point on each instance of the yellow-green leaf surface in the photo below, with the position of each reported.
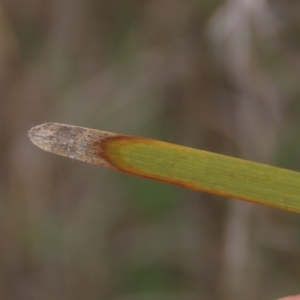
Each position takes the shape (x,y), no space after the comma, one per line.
(187,167)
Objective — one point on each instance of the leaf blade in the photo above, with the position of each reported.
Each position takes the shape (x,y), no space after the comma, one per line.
(205,171)
(191,168)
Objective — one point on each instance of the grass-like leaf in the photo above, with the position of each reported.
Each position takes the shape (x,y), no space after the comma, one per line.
(170,163)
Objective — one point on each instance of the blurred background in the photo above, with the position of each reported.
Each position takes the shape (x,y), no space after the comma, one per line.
(217,75)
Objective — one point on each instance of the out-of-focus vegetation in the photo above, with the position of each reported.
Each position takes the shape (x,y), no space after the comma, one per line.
(217,75)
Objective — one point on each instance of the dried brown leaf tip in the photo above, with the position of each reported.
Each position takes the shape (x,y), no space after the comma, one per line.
(75,142)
